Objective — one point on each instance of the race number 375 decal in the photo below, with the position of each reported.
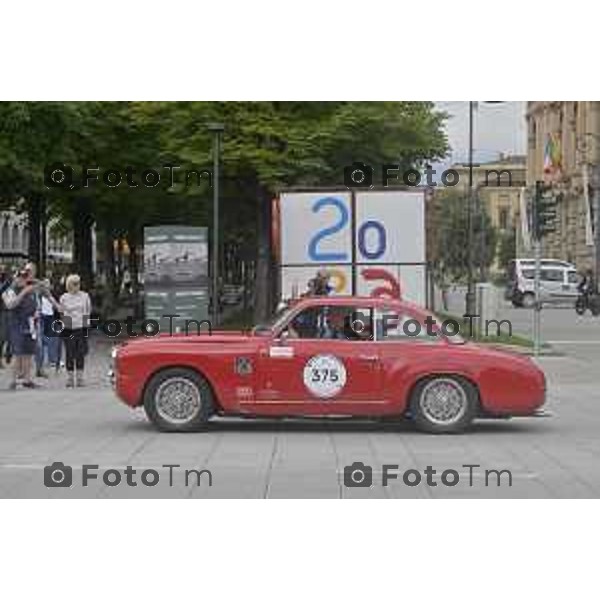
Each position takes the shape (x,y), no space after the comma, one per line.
(324,375)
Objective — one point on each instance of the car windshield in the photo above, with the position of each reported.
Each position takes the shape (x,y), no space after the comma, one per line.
(280,316)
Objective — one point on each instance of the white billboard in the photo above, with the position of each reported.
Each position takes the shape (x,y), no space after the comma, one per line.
(372,242)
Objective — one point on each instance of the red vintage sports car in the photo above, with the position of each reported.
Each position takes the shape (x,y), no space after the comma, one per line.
(328,356)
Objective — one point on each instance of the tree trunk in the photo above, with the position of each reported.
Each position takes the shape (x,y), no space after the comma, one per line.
(82,240)
(133,272)
(109,254)
(263,297)
(34,217)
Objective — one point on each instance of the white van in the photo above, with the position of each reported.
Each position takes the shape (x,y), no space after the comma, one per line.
(558,281)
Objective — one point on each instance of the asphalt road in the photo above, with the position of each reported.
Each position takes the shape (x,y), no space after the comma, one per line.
(547,457)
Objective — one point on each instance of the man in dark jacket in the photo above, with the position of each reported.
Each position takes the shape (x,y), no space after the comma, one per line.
(20,300)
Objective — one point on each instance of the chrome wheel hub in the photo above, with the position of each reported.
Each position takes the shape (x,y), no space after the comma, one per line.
(443,401)
(178,400)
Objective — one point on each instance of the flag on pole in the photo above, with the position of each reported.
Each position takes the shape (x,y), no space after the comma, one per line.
(552,154)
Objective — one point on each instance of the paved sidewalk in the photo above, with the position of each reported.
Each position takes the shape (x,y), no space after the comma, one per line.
(96,369)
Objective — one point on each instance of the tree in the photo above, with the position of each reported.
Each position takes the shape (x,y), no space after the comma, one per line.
(32,136)
(269,146)
(449,229)
(507,247)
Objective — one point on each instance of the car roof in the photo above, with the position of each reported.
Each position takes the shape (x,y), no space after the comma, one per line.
(354,300)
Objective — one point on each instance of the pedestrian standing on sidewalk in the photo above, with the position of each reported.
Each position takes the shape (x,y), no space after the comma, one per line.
(75,306)
(48,342)
(5,281)
(19,298)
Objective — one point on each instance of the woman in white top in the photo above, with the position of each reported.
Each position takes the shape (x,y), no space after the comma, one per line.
(75,307)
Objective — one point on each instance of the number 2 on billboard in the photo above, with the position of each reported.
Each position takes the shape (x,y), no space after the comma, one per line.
(317,255)
(313,251)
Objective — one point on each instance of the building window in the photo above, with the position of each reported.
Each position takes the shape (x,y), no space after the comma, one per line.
(15,238)
(503,218)
(5,234)
(532,132)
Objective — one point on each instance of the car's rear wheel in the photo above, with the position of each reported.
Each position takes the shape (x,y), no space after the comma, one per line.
(444,404)
(179,399)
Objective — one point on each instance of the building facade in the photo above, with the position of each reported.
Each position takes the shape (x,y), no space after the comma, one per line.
(563,150)
(498,184)
(14,240)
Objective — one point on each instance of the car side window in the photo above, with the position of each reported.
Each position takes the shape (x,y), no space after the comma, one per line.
(397,327)
(552,275)
(333,322)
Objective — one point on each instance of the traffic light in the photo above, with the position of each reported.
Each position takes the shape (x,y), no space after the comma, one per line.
(545,209)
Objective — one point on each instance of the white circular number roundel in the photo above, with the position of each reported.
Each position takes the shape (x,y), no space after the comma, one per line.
(325,375)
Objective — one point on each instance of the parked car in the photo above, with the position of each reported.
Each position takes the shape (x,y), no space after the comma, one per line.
(299,365)
(558,282)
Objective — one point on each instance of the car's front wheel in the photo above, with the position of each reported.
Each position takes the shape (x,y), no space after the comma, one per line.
(179,399)
(444,404)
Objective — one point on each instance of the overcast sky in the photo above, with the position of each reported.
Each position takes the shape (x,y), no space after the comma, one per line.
(498,128)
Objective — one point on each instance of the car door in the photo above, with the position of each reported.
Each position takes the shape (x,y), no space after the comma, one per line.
(553,283)
(407,343)
(316,374)
(572,283)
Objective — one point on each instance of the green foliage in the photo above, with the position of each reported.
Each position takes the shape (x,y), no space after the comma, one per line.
(450,232)
(507,248)
(266,146)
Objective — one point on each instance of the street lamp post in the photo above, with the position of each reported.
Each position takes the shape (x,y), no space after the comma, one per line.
(470,297)
(217,129)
